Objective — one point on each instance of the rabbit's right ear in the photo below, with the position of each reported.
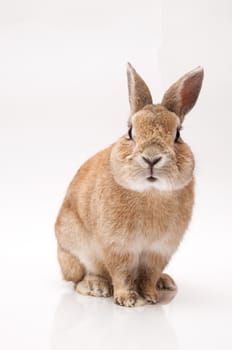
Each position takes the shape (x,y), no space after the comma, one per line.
(139,94)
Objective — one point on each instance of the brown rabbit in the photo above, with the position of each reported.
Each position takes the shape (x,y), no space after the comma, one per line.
(128,207)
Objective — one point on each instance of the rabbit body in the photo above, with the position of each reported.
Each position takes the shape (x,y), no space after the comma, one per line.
(128,207)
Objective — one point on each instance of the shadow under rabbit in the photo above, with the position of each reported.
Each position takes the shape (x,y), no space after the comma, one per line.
(88,321)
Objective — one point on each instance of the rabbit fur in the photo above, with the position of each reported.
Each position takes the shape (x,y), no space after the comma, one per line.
(128,207)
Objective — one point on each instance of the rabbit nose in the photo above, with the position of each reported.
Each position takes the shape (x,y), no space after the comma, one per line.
(152,162)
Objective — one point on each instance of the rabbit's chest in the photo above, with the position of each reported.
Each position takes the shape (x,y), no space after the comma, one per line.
(157,231)
(164,246)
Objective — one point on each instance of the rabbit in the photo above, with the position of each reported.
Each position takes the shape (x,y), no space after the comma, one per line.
(128,207)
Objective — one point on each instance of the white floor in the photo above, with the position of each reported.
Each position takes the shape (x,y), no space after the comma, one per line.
(62,68)
(40,311)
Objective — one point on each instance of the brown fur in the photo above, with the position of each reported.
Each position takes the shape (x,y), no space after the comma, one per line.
(112,235)
(71,266)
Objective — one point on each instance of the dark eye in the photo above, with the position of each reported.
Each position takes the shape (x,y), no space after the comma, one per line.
(177,135)
(130,133)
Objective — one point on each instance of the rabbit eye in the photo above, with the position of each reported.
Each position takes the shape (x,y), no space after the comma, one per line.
(177,135)
(130,133)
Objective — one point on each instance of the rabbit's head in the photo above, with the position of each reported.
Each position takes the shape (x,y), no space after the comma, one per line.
(153,154)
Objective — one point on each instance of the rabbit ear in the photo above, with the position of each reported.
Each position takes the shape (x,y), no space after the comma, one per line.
(139,94)
(182,96)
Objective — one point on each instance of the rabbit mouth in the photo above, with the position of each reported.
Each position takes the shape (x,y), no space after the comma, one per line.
(151,179)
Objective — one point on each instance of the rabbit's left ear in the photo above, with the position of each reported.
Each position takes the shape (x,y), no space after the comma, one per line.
(139,94)
(182,96)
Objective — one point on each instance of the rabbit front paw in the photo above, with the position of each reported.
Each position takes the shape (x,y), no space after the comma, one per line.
(151,296)
(129,298)
(148,291)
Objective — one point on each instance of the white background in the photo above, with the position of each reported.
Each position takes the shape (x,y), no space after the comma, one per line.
(63,97)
